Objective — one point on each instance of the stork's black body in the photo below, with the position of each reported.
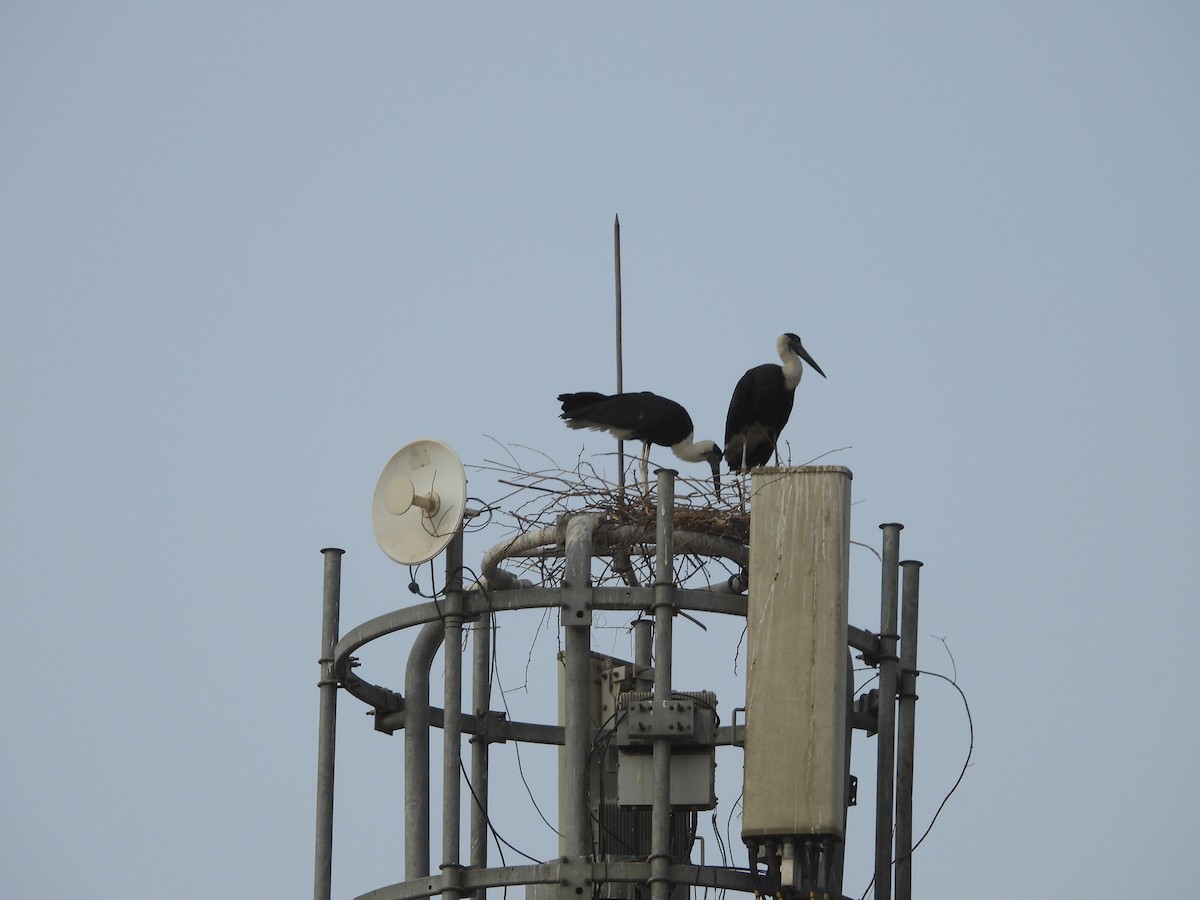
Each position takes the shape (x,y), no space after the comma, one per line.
(644,417)
(762,404)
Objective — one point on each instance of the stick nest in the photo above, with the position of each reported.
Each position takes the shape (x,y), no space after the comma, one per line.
(545,497)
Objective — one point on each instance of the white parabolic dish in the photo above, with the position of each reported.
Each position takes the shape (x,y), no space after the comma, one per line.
(419,501)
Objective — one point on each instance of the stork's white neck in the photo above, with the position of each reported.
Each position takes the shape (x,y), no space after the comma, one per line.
(689,451)
(793,369)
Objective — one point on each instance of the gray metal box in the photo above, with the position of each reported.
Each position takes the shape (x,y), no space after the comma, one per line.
(693,777)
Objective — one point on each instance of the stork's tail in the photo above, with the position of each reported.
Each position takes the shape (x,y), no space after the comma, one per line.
(573,404)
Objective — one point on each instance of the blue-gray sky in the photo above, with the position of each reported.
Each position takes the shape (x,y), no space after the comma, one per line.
(250,250)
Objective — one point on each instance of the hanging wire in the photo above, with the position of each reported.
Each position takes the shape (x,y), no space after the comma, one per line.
(415,588)
(720,843)
(486,509)
(966,762)
(604,734)
(492,828)
(962,773)
(494,679)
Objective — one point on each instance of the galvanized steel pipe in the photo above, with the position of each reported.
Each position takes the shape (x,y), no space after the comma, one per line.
(664,611)
(906,729)
(577,623)
(481,700)
(452,722)
(416,749)
(888,663)
(327,723)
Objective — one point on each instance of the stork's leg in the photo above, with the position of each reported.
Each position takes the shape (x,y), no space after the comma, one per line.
(742,477)
(645,469)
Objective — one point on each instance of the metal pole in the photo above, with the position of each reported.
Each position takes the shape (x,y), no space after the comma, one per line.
(481,700)
(886,762)
(452,723)
(327,723)
(577,718)
(906,729)
(664,611)
(416,750)
(620,362)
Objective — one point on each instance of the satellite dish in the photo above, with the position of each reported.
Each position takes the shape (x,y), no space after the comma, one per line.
(419,502)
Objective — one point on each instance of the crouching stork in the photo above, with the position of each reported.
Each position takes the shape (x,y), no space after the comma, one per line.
(644,417)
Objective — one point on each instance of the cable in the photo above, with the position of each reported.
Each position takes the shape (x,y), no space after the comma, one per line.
(603,833)
(491,827)
(416,589)
(738,649)
(501,842)
(962,774)
(720,843)
(720,849)
(487,509)
(966,762)
(858,690)
(729,830)
(494,674)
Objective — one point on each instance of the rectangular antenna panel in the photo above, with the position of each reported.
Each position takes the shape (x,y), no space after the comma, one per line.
(796,691)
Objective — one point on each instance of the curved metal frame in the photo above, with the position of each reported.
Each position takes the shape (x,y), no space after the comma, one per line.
(566,872)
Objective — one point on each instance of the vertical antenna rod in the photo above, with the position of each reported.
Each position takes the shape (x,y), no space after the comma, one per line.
(327,724)
(620,362)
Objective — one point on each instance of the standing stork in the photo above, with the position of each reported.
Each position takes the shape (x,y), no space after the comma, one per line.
(761,405)
(644,417)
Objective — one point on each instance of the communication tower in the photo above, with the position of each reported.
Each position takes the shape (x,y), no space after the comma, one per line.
(637,754)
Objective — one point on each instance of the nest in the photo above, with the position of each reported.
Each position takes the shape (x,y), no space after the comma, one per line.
(711,532)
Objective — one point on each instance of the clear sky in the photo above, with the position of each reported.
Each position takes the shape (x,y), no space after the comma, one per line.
(249,250)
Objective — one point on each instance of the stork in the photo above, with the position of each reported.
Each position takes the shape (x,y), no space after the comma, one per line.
(644,417)
(761,405)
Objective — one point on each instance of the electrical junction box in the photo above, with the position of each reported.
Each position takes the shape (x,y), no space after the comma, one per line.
(689,721)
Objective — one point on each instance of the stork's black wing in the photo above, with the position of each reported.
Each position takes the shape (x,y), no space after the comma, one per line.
(642,416)
(758,410)
(741,407)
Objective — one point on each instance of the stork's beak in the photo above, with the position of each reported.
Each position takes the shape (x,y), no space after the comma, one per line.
(715,462)
(803,354)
